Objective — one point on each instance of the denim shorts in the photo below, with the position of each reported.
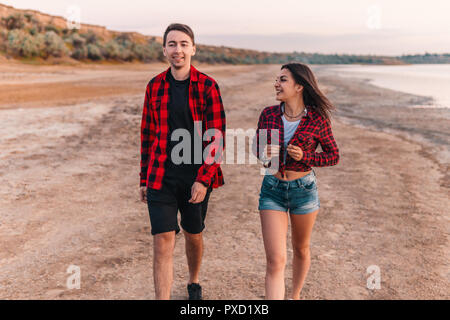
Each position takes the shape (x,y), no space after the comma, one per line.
(298,196)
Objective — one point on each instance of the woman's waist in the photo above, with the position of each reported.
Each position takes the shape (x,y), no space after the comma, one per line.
(289,175)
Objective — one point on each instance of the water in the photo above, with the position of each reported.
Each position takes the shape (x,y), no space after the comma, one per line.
(431,80)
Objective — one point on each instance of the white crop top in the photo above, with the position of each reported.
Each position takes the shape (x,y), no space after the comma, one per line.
(289,130)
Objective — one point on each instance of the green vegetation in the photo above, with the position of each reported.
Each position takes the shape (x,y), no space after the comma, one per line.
(15,21)
(211,55)
(426,58)
(23,36)
(22,44)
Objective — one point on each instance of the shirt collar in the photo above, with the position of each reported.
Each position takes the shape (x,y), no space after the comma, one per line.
(193,75)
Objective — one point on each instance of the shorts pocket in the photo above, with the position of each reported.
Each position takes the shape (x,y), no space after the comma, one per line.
(310,184)
(268,183)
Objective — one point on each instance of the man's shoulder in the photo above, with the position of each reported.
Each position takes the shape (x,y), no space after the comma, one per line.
(206,80)
(157,78)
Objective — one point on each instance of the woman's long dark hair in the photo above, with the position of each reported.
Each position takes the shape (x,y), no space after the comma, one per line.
(312,96)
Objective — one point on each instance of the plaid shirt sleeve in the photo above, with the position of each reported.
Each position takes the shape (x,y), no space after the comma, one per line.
(263,137)
(257,145)
(214,119)
(330,154)
(148,133)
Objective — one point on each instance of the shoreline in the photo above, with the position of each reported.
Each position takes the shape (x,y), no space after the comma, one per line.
(428,126)
(427,81)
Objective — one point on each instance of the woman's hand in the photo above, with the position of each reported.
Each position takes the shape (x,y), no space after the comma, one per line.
(295,152)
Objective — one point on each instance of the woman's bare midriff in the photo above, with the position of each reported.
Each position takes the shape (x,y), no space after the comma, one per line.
(291,175)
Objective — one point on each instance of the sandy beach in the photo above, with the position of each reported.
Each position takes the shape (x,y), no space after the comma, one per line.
(69,172)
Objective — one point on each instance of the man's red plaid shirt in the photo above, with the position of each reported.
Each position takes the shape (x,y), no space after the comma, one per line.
(206,106)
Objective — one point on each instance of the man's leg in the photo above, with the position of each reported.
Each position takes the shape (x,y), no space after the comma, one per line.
(163,246)
(163,209)
(194,254)
(192,221)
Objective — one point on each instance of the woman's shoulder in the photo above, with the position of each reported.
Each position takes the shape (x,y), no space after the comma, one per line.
(315,114)
(270,110)
(317,118)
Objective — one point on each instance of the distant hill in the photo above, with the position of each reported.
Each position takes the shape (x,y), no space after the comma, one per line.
(33,35)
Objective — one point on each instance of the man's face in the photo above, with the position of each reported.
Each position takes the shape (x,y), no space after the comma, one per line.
(178,49)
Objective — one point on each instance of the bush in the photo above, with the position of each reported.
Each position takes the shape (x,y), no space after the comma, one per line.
(33,31)
(144,53)
(30,47)
(14,21)
(54,44)
(117,51)
(76,40)
(126,47)
(80,53)
(22,44)
(94,52)
(112,50)
(90,37)
(30,42)
(28,17)
(52,28)
(3,39)
(125,54)
(156,48)
(39,40)
(15,42)
(123,39)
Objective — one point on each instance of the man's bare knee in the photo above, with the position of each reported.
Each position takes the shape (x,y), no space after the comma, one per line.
(193,237)
(163,243)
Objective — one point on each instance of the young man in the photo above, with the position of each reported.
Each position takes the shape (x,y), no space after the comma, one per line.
(180,101)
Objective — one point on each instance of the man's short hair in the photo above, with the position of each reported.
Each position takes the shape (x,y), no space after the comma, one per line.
(179,27)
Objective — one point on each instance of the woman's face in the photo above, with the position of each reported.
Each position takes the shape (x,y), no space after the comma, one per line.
(286,87)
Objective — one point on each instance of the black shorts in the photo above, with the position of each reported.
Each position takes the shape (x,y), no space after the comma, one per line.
(163,206)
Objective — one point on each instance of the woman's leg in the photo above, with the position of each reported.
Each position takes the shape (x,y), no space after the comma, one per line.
(274,229)
(302,225)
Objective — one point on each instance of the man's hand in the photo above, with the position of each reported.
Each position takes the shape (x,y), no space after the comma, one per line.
(143,192)
(295,152)
(198,192)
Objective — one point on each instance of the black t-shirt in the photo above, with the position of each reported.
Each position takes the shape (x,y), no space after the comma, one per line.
(180,117)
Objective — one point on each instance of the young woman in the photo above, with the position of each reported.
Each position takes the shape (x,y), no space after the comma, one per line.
(302,120)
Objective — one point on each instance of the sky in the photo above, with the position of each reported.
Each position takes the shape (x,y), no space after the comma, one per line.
(383,27)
